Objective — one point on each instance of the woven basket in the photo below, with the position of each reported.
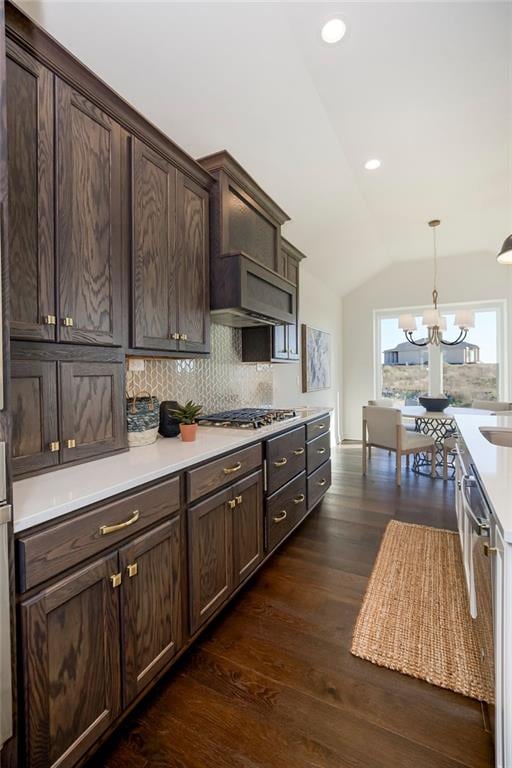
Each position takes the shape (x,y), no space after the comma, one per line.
(143,418)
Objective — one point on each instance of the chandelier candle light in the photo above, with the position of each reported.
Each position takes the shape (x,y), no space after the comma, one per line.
(432,318)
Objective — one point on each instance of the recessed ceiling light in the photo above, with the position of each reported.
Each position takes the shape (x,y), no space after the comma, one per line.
(372,165)
(333,31)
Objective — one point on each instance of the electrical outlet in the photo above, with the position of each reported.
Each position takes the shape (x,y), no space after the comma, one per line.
(135,364)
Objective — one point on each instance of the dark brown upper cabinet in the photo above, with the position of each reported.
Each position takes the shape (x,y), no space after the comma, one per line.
(88,179)
(65,411)
(193,266)
(155,309)
(35,429)
(30,94)
(279,343)
(170,256)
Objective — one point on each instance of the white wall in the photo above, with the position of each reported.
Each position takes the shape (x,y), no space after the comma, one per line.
(319,307)
(468,278)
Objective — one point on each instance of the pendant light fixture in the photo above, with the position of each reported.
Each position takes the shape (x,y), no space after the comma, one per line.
(505,255)
(432,318)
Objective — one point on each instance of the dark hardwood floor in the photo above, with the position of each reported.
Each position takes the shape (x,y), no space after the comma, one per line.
(272,683)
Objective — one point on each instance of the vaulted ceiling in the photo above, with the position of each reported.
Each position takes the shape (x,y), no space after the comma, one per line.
(425,87)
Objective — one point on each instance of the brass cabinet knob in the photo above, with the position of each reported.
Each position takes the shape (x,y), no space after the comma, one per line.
(183,337)
(54,446)
(232,503)
(50,320)
(175,336)
(132,570)
(280,517)
(238,499)
(115,580)
(71,443)
(488,550)
(67,321)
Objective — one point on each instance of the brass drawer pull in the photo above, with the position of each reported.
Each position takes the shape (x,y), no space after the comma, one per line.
(299,452)
(119,526)
(235,468)
(320,426)
(71,443)
(115,580)
(321,483)
(54,446)
(50,320)
(299,499)
(132,570)
(238,499)
(280,517)
(67,321)
(231,503)
(320,450)
(281,462)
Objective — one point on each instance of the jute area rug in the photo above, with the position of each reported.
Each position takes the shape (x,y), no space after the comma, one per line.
(415,615)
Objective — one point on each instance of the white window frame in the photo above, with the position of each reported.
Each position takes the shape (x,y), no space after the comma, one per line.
(500,306)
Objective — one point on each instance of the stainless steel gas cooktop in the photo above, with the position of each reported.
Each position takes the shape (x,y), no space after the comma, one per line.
(248,418)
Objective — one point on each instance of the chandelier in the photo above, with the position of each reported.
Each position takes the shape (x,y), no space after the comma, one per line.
(432,318)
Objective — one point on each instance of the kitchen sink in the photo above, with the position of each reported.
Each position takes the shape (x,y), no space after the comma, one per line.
(501,436)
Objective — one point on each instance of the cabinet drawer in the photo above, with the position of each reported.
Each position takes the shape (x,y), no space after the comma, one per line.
(215,474)
(285,509)
(318,427)
(286,457)
(318,451)
(45,554)
(318,484)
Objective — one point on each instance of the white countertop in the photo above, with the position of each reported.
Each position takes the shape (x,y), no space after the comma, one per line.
(45,497)
(493,465)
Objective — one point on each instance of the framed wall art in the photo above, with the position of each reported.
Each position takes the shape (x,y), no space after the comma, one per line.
(316,359)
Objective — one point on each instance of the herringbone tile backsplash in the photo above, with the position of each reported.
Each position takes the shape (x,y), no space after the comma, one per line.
(219,383)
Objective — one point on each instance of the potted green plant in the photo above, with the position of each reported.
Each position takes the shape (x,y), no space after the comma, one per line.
(187,415)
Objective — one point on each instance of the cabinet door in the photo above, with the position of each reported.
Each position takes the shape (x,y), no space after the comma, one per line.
(210,534)
(88,220)
(30,202)
(70,642)
(92,408)
(294,341)
(503,747)
(192,261)
(248,541)
(150,605)
(35,432)
(155,304)
(280,342)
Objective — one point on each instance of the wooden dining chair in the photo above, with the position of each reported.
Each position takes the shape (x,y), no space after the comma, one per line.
(383,428)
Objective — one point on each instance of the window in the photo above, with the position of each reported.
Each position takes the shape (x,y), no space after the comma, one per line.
(473,370)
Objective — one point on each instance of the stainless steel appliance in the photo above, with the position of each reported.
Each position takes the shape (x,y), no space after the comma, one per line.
(5,610)
(248,418)
(474,518)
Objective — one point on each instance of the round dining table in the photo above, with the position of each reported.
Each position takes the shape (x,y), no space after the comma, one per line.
(440,425)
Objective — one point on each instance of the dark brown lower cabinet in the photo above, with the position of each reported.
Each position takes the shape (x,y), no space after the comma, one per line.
(210,531)
(248,535)
(35,430)
(71,664)
(225,545)
(150,605)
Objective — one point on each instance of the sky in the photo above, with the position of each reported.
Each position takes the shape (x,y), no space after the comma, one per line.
(484,334)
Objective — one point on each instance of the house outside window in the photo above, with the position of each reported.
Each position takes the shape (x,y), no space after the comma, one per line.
(472,370)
